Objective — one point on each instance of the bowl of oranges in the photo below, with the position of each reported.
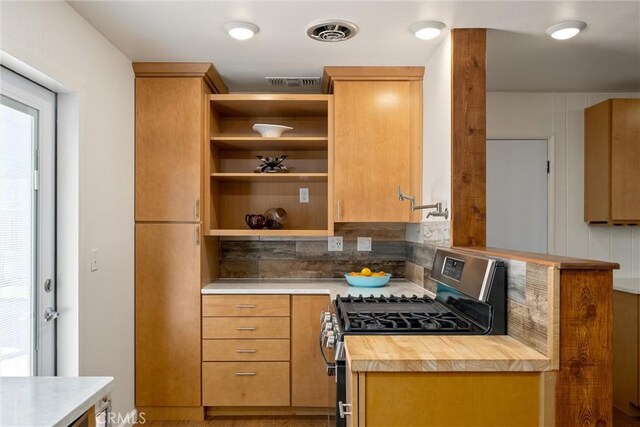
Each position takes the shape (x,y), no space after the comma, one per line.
(366,278)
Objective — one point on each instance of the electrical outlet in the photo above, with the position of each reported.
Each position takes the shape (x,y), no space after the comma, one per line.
(304,195)
(364,244)
(335,243)
(94,260)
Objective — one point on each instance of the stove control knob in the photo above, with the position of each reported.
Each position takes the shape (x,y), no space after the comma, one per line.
(325,316)
(329,326)
(331,342)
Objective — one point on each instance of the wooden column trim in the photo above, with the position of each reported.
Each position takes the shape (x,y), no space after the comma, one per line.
(203,70)
(584,382)
(468,137)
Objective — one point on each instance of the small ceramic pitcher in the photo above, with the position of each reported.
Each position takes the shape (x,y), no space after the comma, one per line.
(255,221)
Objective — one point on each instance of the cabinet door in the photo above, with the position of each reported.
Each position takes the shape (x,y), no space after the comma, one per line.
(169,136)
(377,129)
(310,384)
(625,158)
(167,315)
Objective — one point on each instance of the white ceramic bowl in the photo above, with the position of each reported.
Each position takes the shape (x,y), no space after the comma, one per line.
(270,131)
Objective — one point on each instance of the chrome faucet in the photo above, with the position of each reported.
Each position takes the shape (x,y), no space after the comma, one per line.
(437,206)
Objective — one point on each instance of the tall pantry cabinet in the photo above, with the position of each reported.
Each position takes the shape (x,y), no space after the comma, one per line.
(173,259)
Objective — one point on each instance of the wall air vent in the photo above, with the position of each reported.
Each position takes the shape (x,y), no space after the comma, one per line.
(332,31)
(293,82)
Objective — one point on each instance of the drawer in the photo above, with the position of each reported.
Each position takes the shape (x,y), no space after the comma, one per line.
(245,305)
(245,384)
(245,327)
(245,350)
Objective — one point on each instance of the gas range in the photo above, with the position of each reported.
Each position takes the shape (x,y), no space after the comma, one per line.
(398,315)
(470,299)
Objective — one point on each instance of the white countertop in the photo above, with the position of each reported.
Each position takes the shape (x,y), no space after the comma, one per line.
(330,287)
(48,401)
(631,286)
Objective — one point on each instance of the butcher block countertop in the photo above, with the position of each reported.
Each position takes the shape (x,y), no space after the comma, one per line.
(442,353)
(560,262)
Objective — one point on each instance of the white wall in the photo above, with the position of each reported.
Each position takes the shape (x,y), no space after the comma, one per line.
(560,116)
(436,164)
(53,45)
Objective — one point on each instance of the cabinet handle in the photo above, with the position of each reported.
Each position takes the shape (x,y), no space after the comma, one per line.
(245,351)
(338,210)
(196,209)
(246,306)
(196,235)
(245,374)
(246,328)
(342,407)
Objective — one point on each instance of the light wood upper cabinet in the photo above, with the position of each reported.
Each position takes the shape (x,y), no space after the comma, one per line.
(612,156)
(167,315)
(169,138)
(378,147)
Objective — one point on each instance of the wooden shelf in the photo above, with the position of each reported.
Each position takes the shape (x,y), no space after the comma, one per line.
(270,105)
(292,143)
(266,232)
(270,177)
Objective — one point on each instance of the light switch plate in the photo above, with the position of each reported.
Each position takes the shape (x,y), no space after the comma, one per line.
(94,260)
(334,244)
(304,195)
(364,244)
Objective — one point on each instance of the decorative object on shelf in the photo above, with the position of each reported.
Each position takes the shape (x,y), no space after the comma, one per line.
(271,165)
(255,221)
(276,218)
(270,131)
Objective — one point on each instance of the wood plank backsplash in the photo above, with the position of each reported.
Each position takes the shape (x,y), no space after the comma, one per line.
(309,257)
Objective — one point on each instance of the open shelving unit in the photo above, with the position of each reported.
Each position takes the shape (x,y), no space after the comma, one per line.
(233,190)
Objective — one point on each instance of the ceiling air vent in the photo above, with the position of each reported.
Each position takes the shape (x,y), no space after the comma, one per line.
(293,82)
(332,31)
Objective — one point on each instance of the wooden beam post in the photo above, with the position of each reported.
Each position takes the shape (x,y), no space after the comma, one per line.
(468,137)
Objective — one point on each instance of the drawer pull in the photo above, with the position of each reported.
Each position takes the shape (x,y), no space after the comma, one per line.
(245,351)
(246,328)
(246,306)
(245,374)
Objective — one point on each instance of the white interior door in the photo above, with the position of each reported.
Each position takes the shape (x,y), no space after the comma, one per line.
(517,194)
(27,227)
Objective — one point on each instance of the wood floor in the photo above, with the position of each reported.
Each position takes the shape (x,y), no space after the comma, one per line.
(621,420)
(312,421)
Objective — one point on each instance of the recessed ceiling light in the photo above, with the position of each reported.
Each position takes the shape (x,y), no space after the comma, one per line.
(241,30)
(566,30)
(427,30)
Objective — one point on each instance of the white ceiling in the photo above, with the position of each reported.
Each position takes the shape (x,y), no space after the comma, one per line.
(606,56)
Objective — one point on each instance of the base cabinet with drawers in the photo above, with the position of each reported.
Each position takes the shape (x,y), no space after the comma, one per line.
(260,351)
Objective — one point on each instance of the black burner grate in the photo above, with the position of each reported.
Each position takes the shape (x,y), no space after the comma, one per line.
(398,314)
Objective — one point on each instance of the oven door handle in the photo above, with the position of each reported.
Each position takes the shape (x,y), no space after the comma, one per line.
(331,366)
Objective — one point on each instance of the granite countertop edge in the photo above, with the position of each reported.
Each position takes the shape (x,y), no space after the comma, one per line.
(59,418)
(304,286)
